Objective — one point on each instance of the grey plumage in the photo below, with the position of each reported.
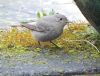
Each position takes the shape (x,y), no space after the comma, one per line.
(48,28)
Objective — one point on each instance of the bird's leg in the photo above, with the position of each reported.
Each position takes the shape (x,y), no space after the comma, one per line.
(39,43)
(54,44)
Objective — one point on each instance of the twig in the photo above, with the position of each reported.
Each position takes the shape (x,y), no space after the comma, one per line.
(85,41)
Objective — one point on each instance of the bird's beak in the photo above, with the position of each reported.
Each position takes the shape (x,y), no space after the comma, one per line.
(67,22)
(70,22)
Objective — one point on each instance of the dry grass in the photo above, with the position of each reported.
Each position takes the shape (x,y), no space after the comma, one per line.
(74,39)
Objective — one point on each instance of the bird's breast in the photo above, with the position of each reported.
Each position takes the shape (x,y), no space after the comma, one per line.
(47,36)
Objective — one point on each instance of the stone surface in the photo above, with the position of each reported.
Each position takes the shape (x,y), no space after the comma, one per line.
(47,63)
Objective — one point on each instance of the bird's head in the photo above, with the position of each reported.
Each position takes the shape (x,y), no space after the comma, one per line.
(61,19)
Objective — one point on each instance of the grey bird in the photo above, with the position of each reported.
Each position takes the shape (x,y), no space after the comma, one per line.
(48,28)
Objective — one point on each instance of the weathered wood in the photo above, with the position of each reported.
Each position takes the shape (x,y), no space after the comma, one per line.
(91,10)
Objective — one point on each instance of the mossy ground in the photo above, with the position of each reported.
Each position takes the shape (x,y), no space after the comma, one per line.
(77,38)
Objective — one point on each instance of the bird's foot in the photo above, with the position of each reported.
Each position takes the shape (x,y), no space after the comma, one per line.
(55,45)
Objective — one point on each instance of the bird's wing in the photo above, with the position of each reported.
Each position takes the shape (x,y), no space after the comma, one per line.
(43,26)
(39,27)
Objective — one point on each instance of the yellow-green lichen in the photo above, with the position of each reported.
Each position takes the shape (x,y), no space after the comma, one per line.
(75,39)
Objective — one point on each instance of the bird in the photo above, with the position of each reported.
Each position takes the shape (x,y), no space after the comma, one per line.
(47,28)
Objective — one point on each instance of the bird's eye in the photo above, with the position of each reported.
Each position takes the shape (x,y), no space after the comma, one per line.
(60,18)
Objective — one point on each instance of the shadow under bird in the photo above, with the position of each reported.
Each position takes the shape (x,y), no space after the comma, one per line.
(48,28)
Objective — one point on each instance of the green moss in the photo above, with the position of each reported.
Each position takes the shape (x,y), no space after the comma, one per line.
(71,42)
(39,62)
